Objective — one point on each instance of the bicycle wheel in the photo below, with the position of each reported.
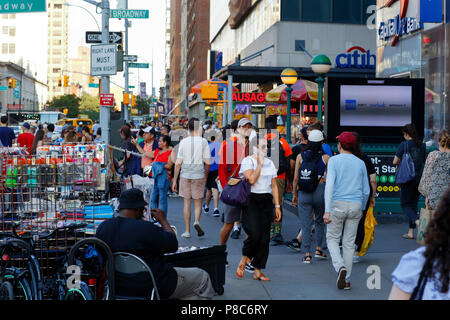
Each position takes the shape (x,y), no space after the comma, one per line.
(22,290)
(6,291)
(74,254)
(83,293)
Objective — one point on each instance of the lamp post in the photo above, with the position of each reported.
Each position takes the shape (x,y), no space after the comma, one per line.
(289,77)
(321,64)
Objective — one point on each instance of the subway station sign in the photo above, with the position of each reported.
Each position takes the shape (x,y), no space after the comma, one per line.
(385,170)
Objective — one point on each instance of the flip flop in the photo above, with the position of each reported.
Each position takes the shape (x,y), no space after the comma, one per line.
(240,271)
(406,236)
(261,277)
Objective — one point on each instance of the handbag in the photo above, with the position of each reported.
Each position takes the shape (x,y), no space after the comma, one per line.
(426,214)
(369,232)
(405,171)
(236,191)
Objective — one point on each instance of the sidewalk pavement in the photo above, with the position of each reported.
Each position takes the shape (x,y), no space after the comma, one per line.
(290,278)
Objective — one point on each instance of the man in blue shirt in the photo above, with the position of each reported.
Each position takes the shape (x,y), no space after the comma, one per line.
(7,135)
(346,192)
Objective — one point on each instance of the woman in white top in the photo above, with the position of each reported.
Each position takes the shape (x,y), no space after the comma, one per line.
(257,216)
(424,274)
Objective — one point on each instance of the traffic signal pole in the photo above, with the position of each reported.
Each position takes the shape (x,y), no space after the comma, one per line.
(105,113)
(125,112)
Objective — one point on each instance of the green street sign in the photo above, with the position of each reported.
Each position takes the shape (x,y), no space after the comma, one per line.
(18,6)
(131,87)
(129,14)
(138,65)
(93,85)
(4,88)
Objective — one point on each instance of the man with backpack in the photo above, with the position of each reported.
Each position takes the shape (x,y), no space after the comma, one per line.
(278,146)
(346,193)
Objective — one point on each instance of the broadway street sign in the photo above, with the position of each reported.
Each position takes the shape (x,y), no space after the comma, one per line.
(129,14)
(138,65)
(17,6)
(96,37)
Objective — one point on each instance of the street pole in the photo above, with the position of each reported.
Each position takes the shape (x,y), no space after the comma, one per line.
(320,81)
(230,99)
(127,79)
(288,122)
(105,112)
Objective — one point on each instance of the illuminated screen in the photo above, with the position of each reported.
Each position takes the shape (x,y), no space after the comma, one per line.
(375,106)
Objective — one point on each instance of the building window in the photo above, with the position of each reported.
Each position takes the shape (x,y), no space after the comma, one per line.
(347,11)
(12,16)
(316,11)
(5,30)
(12,31)
(57,6)
(290,10)
(12,48)
(4,48)
(5,16)
(56,70)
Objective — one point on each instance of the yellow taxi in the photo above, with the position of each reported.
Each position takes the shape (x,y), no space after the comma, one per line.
(76,122)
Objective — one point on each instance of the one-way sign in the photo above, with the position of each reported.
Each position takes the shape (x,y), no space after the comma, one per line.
(96,37)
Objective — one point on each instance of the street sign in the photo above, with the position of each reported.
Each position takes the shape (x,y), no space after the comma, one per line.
(4,88)
(103,60)
(107,99)
(93,85)
(131,87)
(138,65)
(96,37)
(131,58)
(129,14)
(22,6)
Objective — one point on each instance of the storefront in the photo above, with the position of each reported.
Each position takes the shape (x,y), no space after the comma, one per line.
(419,48)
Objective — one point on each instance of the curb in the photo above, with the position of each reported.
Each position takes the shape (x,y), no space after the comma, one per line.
(382,218)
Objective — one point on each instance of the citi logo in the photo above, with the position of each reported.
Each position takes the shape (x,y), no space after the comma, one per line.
(360,58)
(305,174)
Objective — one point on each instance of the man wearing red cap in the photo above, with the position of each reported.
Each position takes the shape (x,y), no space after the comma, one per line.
(346,193)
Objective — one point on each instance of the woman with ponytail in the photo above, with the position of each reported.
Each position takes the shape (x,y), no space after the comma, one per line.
(436,178)
(409,193)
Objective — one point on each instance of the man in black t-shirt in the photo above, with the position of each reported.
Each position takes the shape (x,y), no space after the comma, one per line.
(7,135)
(130,233)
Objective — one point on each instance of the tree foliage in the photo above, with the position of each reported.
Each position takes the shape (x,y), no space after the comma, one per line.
(90,106)
(71,102)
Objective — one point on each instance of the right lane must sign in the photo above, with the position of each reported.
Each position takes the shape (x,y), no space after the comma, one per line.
(386,186)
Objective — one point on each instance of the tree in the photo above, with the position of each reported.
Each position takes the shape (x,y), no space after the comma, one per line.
(90,106)
(71,102)
(143,105)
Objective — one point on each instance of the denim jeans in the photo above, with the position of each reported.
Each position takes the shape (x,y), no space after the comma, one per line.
(344,215)
(409,199)
(309,203)
(159,195)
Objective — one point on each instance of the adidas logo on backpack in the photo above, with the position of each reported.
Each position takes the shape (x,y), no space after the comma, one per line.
(306,174)
(308,180)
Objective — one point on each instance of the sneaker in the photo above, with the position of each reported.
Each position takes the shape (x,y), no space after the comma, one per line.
(294,245)
(205,209)
(277,239)
(216,213)
(341,278)
(186,235)
(199,229)
(249,268)
(236,232)
(347,286)
(307,259)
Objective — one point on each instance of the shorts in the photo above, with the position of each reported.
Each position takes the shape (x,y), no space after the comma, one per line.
(211,180)
(192,188)
(231,214)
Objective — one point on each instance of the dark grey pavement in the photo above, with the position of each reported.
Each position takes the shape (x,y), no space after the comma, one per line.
(290,278)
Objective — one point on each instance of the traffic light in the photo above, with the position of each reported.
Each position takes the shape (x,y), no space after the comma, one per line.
(10,83)
(133,100)
(59,82)
(66,81)
(126,98)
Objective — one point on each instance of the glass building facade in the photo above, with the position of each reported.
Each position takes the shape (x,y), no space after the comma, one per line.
(423,55)
(327,11)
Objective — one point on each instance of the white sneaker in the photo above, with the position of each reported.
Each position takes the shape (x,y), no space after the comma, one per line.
(186,235)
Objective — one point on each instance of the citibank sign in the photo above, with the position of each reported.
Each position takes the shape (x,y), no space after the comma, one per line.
(356,57)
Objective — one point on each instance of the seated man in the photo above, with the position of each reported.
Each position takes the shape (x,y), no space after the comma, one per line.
(130,233)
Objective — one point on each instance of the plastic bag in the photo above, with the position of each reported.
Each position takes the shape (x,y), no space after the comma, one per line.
(369,232)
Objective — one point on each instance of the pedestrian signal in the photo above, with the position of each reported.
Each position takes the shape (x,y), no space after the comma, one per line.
(66,81)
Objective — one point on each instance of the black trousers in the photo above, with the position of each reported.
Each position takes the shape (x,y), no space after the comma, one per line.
(409,199)
(257,217)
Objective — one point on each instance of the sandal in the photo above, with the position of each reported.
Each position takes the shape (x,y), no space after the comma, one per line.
(406,236)
(307,259)
(240,271)
(319,254)
(261,277)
